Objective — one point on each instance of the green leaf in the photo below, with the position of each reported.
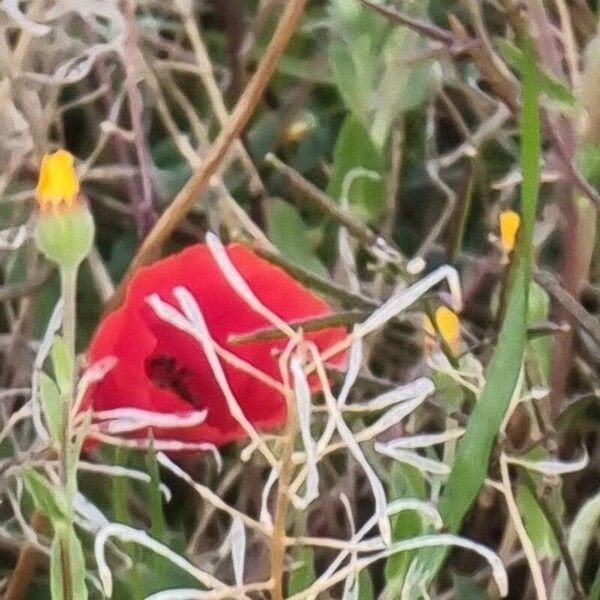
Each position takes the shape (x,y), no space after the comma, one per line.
(51,406)
(48,499)
(365,586)
(62,362)
(405,482)
(287,230)
(354,148)
(66,543)
(405,79)
(358,37)
(304,574)
(536,524)
(475,447)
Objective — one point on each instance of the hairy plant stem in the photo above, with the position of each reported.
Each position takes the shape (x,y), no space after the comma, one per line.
(68,278)
(69,289)
(281,504)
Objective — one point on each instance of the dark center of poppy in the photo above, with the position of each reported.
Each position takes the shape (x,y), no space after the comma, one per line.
(165,373)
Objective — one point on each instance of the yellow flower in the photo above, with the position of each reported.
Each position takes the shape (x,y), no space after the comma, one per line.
(448,326)
(510,221)
(58,185)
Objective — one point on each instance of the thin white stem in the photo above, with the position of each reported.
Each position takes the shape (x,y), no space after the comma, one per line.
(526,544)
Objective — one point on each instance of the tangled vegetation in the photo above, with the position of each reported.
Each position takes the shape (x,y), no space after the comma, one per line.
(299,299)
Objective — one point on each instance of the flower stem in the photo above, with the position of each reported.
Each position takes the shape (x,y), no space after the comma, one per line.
(68,278)
(281,505)
(69,291)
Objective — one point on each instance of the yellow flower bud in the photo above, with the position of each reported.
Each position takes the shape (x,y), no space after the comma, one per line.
(510,221)
(65,228)
(448,325)
(58,185)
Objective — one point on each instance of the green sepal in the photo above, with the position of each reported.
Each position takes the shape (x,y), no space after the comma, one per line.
(65,235)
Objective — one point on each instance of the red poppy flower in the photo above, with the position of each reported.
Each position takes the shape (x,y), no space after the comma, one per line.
(162,369)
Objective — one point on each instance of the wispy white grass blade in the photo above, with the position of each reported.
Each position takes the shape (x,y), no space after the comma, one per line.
(25,412)
(241,287)
(426,541)
(129,534)
(195,325)
(552,468)
(419,387)
(354,448)
(91,375)
(404,298)
(201,333)
(517,522)
(426,509)
(265,515)
(354,362)
(238,549)
(426,440)
(425,465)
(125,420)
(209,496)
(228,593)
(303,403)
(118,471)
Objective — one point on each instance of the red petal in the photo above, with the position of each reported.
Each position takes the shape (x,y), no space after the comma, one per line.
(136,336)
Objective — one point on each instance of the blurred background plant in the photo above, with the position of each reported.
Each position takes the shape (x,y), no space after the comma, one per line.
(390,139)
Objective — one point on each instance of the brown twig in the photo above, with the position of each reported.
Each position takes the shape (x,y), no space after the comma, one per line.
(427,29)
(339,319)
(28,557)
(244,109)
(281,504)
(315,282)
(574,310)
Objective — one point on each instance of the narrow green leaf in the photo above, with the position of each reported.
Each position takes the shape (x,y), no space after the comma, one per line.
(71,572)
(47,498)
(57,584)
(475,448)
(51,406)
(536,524)
(405,482)
(304,574)
(62,362)
(77,565)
